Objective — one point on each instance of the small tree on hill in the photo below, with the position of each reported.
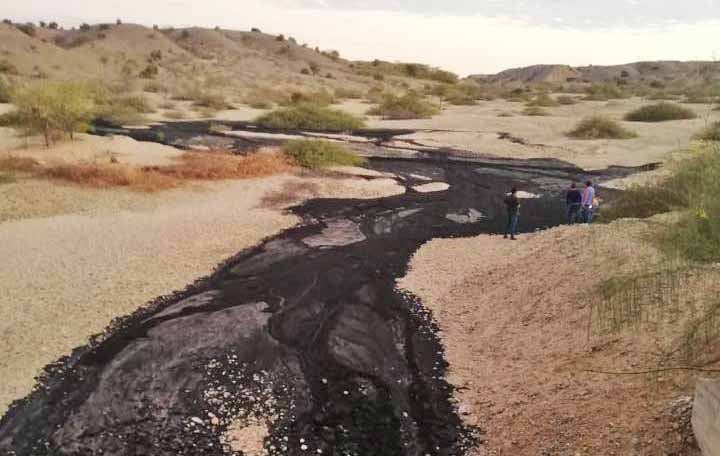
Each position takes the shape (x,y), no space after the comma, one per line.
(53,26)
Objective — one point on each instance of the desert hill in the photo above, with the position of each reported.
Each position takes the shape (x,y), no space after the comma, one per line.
(658,73)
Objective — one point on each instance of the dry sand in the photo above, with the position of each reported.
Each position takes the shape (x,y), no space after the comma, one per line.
(514,318)
(65,277)
(476,128)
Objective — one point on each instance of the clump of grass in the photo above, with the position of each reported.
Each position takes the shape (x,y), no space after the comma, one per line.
(567,100)
(127,110)
(211,100)
(316,154)
(543,100)
(318,98)
(603,92)
(263,98)
(710,133)
(660,112)
(408,106)
(5,91)
(599,127)
(310,117)
(535,111)
(348,94)
(7,67)
(691,188)
(167,105)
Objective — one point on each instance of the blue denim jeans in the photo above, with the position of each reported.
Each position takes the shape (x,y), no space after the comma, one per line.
(573,211)
(512,224)
(587,214)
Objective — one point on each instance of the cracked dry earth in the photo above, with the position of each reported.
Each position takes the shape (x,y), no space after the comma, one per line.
(302,343)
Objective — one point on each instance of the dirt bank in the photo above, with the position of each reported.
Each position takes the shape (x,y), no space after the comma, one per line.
(514,318)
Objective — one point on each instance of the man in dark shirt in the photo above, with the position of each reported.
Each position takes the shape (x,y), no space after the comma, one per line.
(574,201)
(512,203)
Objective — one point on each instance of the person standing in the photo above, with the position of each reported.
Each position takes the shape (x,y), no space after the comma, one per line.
(588,202)
(573,200)
(512,204)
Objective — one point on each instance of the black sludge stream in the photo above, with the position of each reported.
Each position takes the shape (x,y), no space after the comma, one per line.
(306,331)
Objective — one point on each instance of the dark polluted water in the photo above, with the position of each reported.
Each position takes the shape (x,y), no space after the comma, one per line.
(305,331)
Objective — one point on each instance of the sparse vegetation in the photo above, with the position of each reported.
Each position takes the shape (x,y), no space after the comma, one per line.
(710,133)
(291,192)
(310,117)
(567,100)
(660,112)
(348,94)
(7,67)
(214,165)
(319,98)
(212,100)
(5,91)
(543,100)
(316,154)
(604,92)
(408,106)
(599,127)
(535,111)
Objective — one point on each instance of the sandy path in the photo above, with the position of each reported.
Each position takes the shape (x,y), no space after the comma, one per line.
(514,319)
(64,278)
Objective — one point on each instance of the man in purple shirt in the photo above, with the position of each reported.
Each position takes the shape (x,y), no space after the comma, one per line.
(588,202)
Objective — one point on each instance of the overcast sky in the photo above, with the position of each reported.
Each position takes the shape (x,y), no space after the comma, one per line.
(465,36)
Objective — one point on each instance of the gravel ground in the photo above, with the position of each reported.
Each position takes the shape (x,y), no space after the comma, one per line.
(514,317)
(65,277)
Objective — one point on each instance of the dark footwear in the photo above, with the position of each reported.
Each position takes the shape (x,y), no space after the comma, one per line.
(512,238)
(505,237)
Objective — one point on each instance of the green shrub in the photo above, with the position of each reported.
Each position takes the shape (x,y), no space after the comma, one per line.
(599,127)
(51,107)
(660,112)
(319,98)
(5,91)
(710,133)
(316,154)
(408,106)
(310,117)
(7,67)
(535,111)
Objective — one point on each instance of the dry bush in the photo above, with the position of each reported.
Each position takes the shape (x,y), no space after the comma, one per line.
(567,100)
(218,165)
(174,115)
(291,192)
(543,100)
(710,133)
(214,165)
(108,176)
(599,127)
(11,163)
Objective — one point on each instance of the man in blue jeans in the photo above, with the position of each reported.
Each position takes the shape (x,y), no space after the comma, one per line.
(573,200)
(588,202)
(512,204)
